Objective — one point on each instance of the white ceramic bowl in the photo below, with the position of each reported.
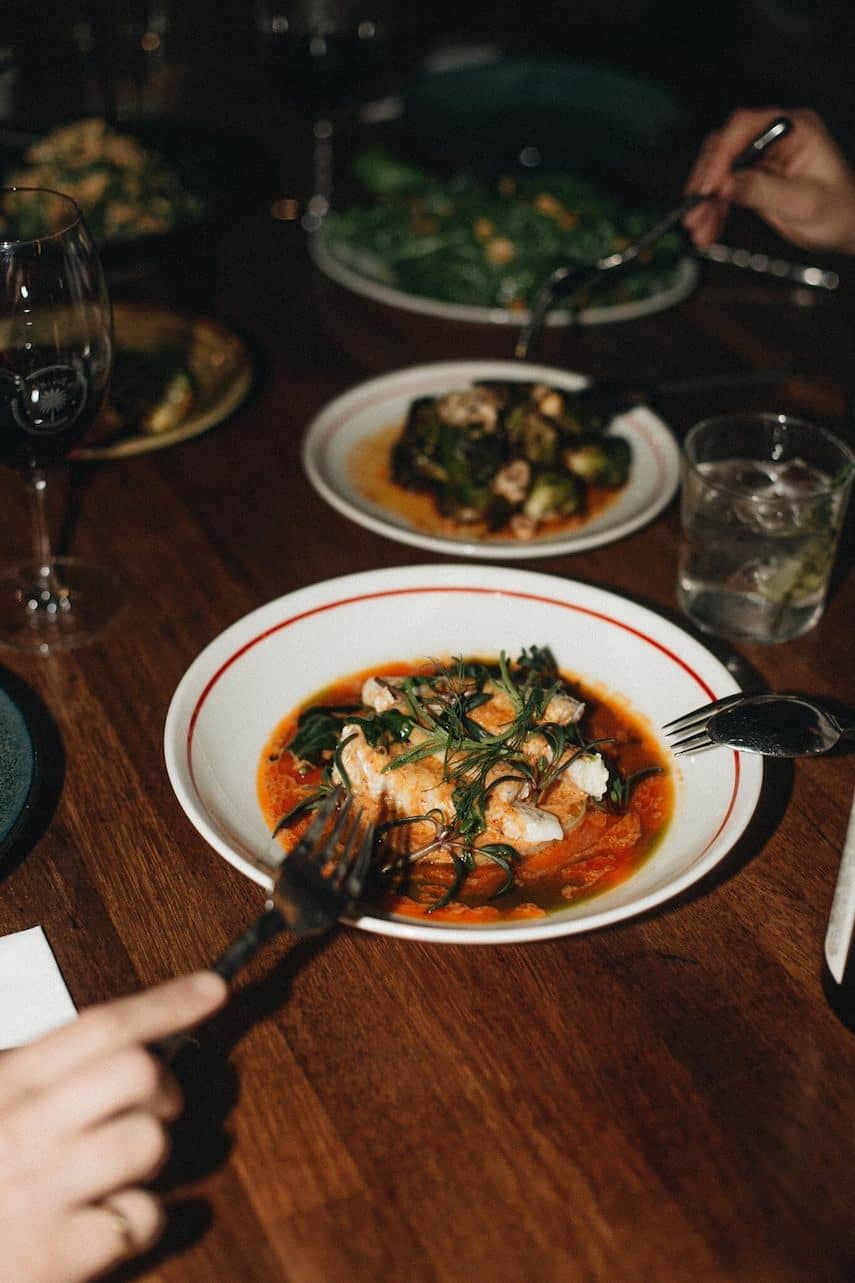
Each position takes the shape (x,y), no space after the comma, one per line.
(257,671)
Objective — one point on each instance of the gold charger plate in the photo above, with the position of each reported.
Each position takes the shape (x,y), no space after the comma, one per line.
(218,361)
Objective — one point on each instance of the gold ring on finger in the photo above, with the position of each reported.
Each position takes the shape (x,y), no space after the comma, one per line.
(123,1228)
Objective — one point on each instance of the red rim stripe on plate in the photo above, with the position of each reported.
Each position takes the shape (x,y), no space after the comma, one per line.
(451,588)
(423,387)
(350,412)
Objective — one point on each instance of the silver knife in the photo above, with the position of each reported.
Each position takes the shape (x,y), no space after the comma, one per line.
(764,265)
(841,921)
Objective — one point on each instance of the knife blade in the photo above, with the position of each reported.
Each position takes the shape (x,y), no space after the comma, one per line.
(841,920)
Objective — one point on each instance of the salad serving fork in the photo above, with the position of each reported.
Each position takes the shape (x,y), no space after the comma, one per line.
(768,723)
(568,280)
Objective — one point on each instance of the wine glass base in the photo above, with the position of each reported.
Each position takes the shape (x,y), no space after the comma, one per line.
(33,619)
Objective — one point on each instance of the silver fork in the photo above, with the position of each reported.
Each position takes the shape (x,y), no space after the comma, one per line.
(569,280)
(768,723)
(308,896)
(317,882)
(321,879)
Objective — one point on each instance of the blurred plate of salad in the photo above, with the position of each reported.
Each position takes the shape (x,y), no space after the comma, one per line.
(125,189)
(141,184)
(476,248)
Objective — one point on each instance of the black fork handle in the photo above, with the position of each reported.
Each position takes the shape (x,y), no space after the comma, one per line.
(228,964)
(246,946)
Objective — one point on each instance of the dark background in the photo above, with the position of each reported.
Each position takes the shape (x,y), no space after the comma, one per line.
(711,55)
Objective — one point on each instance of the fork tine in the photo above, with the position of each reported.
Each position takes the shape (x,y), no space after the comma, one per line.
(304,900)
(699,716)
(314,832)
(351,871)
(316,841)
(358,875)
(695,743)
(349,842)
(347,846)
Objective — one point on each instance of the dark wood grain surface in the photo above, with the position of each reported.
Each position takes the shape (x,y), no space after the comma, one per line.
(670,1099)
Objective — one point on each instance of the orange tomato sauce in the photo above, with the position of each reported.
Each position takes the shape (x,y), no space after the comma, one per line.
(602,851)
(370,474)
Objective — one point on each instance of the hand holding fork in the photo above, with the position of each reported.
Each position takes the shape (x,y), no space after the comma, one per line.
(317,882)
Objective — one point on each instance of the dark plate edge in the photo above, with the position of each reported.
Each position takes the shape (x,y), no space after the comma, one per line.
(10,689)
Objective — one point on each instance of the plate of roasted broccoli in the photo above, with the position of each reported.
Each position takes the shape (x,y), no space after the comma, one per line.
(493,459)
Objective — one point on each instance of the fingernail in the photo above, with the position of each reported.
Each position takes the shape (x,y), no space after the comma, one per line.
(208,984)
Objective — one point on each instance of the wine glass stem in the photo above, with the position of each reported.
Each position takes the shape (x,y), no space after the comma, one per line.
(318,204)
(47,596)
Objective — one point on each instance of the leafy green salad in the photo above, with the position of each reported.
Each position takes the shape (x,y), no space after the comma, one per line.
(465,240)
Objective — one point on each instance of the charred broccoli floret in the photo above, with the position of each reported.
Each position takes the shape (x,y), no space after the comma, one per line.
(554,494)
(532,436)
(601,461)
(508,454)
(455,463)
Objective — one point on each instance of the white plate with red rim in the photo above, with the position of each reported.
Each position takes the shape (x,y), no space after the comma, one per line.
(342,426)
(251,676)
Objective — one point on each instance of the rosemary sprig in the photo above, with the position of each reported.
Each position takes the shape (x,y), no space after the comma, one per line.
(475,760)
(620,787)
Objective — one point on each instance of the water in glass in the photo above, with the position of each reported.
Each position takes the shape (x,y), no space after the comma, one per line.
(759,539)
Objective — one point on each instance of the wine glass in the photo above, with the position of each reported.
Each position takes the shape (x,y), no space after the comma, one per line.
(325,53)
(56,352)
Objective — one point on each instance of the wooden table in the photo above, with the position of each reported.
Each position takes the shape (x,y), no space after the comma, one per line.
(670,1099)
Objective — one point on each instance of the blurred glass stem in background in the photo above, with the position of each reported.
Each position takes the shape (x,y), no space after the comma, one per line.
(326,55)
(318,204)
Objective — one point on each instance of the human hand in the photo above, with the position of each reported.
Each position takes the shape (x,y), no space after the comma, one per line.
(83,1114)
(804,186)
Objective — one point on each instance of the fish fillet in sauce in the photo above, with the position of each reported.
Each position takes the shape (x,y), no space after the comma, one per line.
(419,787)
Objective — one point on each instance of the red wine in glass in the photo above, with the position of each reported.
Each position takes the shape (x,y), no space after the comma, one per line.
(56,346)
(47,402)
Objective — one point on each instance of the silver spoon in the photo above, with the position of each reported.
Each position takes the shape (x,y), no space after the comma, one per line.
(570,279)
(775,725)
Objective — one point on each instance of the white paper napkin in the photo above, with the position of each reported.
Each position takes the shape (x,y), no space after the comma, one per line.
(33,996)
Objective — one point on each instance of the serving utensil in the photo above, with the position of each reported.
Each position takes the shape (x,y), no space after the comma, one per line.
(763,265)
(771,724)
(570,279)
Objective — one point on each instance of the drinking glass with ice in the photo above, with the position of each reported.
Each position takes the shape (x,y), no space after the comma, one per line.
(763,502)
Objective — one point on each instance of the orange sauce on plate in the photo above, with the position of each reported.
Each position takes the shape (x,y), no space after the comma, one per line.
(601,852)
(370,475)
